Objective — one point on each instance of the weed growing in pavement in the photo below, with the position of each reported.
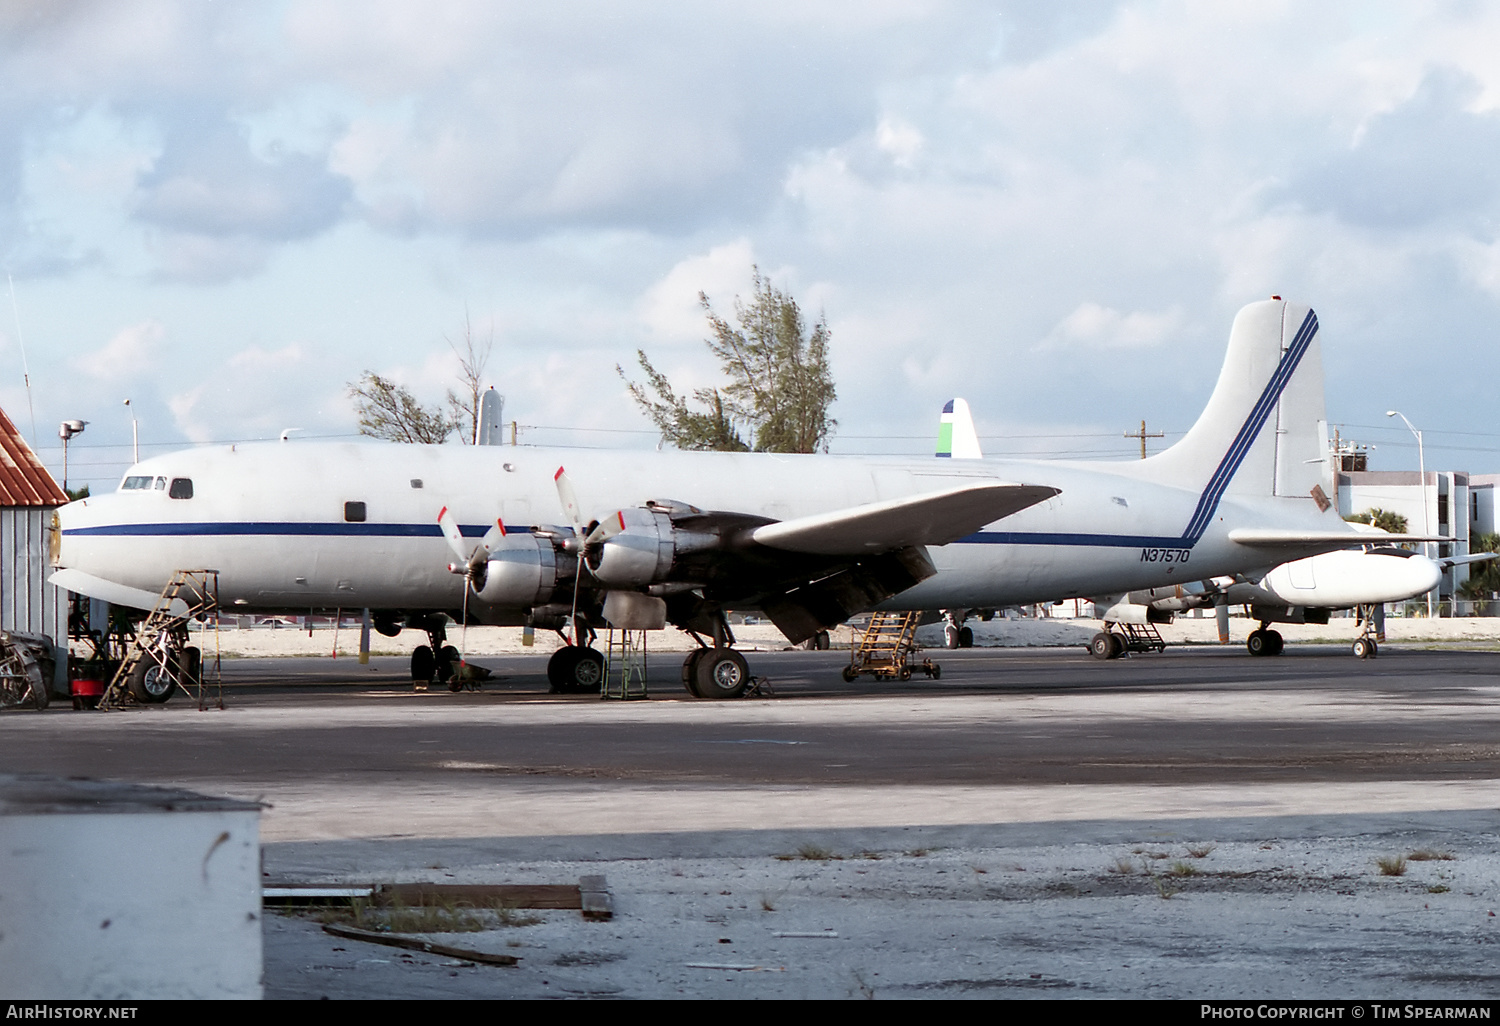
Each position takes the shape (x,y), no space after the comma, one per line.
(1122,866)
(1437,889)
(1163,890)
(1200,851)
(812,853)
(1391,865)
(1430,855)
(1182,869)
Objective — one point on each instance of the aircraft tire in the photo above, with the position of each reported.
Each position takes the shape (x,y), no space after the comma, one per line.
(447,663)
(690,671)
(1119,645)
(965,637)
(1258,644)
(1365,648)
(576,670)
(560,668)
(152,684)
(423,664)
(1277,642)
(721,673)
(1102,646)
(192,665)
(823,641)
(951,636)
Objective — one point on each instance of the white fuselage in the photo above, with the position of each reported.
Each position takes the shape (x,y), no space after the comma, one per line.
(272,519)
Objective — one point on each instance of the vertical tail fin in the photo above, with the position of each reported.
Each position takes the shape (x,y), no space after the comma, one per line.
(1262,432)
(956,437)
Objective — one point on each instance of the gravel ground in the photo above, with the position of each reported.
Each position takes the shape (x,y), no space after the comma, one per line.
(1201,909)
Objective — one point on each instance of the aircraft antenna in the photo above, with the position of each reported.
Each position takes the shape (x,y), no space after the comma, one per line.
(25,369)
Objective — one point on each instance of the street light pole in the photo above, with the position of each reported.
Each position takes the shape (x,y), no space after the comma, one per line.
(66,431)
(135,436)
(1422,473)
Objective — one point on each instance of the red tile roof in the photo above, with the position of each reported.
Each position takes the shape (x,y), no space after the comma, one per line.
(23,479)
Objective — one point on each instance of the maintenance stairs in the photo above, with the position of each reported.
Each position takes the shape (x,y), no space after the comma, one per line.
(158,659)
(884,651)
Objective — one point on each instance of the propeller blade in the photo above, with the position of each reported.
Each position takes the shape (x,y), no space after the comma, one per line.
(489,544)
(449,523)
(569,499)
(607,529)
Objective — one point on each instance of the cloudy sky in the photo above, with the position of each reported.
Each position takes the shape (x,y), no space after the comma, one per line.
(227,211)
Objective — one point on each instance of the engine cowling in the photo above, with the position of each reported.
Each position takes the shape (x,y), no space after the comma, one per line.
(522,571)
(644,550)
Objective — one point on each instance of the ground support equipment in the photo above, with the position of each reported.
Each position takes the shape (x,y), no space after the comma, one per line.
(884,651)
(1118,638)
(625,666)
(159,659)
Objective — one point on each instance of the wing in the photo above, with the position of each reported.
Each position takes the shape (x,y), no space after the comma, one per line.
(111,592)
(934,518)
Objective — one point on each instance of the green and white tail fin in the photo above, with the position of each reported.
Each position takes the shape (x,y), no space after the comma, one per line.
(956,437)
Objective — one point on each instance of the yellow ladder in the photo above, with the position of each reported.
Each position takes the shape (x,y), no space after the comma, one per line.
(162,637)
(885,649)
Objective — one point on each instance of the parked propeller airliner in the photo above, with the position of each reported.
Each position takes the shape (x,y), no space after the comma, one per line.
(641,539)
(1301,591)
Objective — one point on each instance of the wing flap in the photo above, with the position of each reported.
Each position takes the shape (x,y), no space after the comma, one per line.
(932,518)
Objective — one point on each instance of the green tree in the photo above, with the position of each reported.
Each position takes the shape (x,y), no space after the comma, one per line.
(1484,578)
(1384,519)
(779,387)
(387,410)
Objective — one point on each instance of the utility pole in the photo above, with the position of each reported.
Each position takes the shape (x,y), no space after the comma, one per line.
(1141,434)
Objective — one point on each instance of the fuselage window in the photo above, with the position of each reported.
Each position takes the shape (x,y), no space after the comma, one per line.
(354,512)
(182,488)
(135,484)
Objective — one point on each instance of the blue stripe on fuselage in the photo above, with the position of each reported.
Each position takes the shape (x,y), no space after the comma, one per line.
(253,528)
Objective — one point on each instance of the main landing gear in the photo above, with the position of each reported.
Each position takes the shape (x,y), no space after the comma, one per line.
(955,634)
(716,671)
(1264,642)
(437,663)
(576,670)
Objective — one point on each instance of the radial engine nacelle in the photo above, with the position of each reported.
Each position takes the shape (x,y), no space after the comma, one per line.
(523,571)
(643,548)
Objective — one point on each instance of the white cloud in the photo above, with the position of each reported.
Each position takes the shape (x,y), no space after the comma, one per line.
(132,353)
(1092,326)
(670,310)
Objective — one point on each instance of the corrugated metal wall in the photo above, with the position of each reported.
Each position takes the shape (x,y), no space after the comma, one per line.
(27,601)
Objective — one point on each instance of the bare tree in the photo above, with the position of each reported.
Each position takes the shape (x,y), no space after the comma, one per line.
(463,407)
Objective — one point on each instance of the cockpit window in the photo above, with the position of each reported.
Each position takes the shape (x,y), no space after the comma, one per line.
(161,483)
(133,484)
(182,488)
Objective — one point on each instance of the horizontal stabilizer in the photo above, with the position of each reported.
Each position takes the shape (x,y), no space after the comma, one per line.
(1448,562)
(935,518)
(1270,538)
(115,594)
